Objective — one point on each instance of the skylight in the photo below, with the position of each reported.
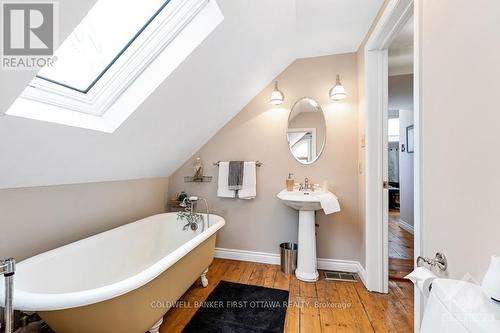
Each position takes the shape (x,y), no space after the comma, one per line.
(99,40)
(114,59)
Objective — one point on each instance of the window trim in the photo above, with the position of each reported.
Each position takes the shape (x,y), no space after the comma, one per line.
(162,46)
(115,58)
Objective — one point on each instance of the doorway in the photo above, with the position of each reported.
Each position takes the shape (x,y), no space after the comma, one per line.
(395,16)
(400,153)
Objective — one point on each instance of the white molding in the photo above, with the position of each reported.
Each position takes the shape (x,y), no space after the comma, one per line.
(406,226)
(242,255)
(395,16)
(274,259)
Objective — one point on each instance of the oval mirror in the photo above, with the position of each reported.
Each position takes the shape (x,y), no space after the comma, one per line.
(306,131)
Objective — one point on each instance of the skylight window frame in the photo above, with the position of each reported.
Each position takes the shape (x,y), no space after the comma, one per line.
(109,102)
(115,58)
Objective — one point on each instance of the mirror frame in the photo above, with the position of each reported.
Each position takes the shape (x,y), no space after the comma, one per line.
(318,154)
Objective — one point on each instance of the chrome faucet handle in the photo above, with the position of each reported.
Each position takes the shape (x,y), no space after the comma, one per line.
(183,203)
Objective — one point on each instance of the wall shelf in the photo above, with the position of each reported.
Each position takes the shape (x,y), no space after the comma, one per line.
(198,179)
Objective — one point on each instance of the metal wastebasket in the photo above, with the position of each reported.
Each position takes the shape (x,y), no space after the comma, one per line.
(288,255)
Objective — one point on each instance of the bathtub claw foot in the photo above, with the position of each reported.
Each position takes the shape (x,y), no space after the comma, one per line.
(203,277)
(156,327)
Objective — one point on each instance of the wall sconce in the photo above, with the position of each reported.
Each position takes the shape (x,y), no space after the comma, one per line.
(337,93)
(277,97)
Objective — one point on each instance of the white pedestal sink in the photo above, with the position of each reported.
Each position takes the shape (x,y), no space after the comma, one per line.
(307,202)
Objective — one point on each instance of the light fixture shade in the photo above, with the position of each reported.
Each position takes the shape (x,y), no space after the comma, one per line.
(277,97)
(338,93)
(491,281)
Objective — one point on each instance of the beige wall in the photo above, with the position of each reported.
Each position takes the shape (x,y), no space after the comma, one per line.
(258,132)
(461,122)
(42,218)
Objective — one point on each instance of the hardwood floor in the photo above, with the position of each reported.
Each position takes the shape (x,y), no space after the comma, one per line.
(400,248)
(322,307)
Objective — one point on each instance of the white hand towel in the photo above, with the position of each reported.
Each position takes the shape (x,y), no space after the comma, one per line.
(329,202)
(249,186)
(223,190)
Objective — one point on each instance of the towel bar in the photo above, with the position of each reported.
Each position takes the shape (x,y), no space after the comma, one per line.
(257,163)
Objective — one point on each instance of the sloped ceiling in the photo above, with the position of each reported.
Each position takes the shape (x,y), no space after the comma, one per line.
(257,40)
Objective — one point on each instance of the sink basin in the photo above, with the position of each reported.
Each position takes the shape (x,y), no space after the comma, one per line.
(307,203)
(301,200)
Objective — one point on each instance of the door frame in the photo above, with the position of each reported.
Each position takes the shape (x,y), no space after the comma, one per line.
(392,20)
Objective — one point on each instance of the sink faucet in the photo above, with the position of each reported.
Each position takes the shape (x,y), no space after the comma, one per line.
(306,186)
(190,215)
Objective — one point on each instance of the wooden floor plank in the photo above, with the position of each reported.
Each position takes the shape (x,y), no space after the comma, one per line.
(257,276)
(400,248)
(281,280)
(246,268)
(270,275)
(321,307)
(309,316)
(294,286)
(292,319)
(307,289)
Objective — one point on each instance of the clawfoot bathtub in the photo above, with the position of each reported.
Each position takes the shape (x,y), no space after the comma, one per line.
(120,281)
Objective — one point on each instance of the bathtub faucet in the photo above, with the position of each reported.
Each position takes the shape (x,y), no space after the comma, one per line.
(189,214)
(7,269)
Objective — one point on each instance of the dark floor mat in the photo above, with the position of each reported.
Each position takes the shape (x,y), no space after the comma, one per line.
(241,308)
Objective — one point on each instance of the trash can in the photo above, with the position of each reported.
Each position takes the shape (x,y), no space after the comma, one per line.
(288,254)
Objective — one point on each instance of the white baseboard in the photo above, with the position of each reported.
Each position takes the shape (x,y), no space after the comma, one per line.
(406,226)
(262,257)
(274,259)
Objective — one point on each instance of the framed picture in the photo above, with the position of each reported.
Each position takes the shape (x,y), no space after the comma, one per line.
(410,145)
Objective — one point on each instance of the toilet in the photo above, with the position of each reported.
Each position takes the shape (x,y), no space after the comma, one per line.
(457,306)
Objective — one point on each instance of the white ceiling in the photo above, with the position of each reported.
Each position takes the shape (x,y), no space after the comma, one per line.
(257,40)
(332,26)
(401,51)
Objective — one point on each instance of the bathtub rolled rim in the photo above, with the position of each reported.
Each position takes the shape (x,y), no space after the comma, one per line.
(32,301)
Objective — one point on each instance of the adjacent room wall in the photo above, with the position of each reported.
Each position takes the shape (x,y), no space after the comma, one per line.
(406,171)
(258,132)
(43,218)
(401,92)
(460,124)
(401,99)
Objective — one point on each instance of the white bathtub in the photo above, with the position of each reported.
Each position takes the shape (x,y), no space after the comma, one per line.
(99,269)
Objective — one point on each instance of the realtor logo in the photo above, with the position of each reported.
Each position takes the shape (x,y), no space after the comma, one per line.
(29,34)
